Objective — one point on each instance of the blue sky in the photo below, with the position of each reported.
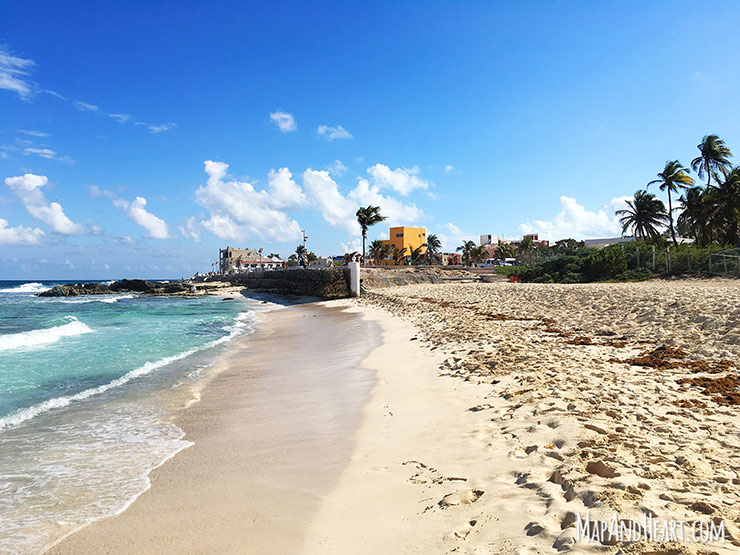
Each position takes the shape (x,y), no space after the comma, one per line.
(118,121)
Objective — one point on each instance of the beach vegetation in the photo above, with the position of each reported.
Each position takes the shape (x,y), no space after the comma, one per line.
(466,249)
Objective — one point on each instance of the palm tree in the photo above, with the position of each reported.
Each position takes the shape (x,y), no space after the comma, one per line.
(505,250)
(433,247)
(479,253)
(526,250)
(724,200)
(415,255)
(714,158)
(645,215)
(398,255)
(466,248)
(379,251)
(367,216)
(696,218)
(673,176)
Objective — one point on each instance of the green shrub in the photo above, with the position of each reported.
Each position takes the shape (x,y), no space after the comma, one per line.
(637,274)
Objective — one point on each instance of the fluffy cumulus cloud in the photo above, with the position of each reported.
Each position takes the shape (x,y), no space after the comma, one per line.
(334,207)
(238,211)
(191,229)
(332,133)
(14,74)
(575,221)
(449,168)
(396,211)
(337,169)
(284,120)
(401,180)
(28,189)
(136,212)
(19,235)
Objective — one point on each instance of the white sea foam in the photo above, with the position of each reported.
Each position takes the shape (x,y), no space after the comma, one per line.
(34,287)
(242,325)
(44,336)
(94,299)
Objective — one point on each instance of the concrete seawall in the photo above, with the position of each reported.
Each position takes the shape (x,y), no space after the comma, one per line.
(330,283)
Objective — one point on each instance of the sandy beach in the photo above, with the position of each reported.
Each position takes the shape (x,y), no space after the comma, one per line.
(457,418)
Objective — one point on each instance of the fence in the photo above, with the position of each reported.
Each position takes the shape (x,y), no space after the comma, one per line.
(683,260)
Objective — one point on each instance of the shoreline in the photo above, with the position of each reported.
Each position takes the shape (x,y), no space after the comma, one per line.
(269,435)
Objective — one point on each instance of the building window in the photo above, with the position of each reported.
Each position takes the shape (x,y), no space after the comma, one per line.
(399,235)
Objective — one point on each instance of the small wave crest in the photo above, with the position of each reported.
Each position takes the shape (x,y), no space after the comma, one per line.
(242,325)
(94,299)
(34,287)
(44,336)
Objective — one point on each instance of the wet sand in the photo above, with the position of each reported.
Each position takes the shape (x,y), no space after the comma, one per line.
(271,432)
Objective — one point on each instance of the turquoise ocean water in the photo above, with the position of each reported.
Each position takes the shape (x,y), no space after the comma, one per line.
(87,390)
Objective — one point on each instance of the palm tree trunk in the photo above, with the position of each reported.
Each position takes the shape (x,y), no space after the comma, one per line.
(670,218)
(364,235)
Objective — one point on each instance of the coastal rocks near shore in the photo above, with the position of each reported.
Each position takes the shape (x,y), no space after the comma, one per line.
(123,286)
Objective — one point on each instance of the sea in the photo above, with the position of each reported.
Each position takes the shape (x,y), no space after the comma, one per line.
(88,389)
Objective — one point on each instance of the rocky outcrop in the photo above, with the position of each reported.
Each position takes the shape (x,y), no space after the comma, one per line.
(123,286)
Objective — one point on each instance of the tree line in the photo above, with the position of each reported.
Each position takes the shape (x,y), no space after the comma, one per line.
(709,214)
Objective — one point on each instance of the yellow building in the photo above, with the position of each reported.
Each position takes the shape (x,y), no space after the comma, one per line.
(408,238)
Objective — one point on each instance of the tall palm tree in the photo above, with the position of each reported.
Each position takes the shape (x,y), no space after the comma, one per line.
(714,158)
(433,247)
(644,217)
(673,177)
(367,216)
(696,217)
(466,249)
(725,207)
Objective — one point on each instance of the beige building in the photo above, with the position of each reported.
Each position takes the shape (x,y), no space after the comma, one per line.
(234,261)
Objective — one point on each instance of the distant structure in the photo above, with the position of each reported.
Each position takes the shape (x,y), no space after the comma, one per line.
(408,238)
(236,261)
(600,243)
(491,242)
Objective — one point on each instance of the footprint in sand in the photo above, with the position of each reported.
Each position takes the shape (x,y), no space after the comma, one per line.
(461,497)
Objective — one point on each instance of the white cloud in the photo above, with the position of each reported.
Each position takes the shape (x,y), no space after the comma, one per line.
(96,191)
(137,213)
(574,221)
(191,229)
(284,120)
(353,245)
(401,180)
(43,152)
(397,212)
(19,235)
(161,128)
(337,169)
(336,209)
(449,168)
(54,93)
(121,118)
(33,133)
(14,74)
(284,192)
(452,237)
(84,106)
(238,211)
(28,189)
(331,133)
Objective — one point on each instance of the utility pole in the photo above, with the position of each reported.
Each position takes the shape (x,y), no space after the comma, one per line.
(305,252)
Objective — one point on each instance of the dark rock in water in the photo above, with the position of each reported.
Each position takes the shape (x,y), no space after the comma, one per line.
(138,285)
(72,290)
(228,298)
(125,285)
